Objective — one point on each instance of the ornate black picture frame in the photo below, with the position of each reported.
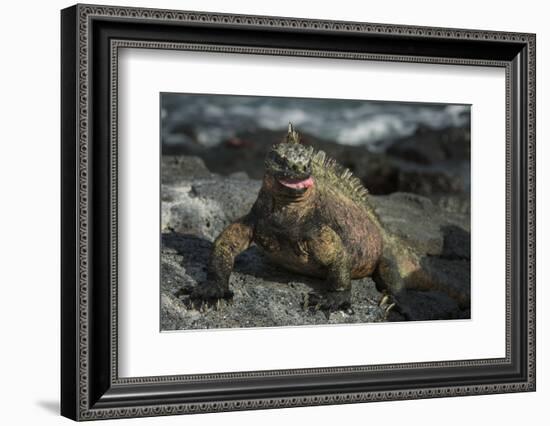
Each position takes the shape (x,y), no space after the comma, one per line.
(91,36)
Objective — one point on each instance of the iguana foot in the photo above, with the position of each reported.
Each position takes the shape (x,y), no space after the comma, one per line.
(329,302)
(208,295)
(388,303)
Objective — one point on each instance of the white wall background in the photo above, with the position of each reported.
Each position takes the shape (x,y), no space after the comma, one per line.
(29,214)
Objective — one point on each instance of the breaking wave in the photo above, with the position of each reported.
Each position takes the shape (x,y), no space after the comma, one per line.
(211,119)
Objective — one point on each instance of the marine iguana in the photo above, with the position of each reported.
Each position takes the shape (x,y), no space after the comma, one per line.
(312,217)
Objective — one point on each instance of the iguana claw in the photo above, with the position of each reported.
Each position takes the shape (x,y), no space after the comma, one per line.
(205,296)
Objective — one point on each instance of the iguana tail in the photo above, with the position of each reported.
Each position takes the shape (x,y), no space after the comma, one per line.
(399,266)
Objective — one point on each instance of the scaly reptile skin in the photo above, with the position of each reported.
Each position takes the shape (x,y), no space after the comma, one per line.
(311,217)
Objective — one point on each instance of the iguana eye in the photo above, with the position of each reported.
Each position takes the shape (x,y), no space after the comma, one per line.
(280,161)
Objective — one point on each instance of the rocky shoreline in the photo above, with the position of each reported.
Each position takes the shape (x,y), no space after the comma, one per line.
(198,203)
(432,163)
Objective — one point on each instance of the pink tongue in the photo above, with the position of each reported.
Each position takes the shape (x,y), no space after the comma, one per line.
(297,184)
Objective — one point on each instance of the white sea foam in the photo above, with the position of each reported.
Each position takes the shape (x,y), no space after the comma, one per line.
(215,118)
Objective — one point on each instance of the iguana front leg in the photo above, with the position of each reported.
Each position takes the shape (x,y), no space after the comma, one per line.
(328,250)
(230,243)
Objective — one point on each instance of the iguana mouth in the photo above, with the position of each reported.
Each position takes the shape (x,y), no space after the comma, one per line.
(297,183)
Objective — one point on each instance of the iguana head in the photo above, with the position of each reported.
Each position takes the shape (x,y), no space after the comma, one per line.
(288,164)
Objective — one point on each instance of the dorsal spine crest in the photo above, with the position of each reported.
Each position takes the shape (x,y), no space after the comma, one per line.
(292,135)
(340,177)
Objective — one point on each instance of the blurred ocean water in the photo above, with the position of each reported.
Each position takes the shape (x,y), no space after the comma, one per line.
(211,119)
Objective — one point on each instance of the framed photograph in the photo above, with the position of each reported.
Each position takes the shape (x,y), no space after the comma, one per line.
(263,212)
